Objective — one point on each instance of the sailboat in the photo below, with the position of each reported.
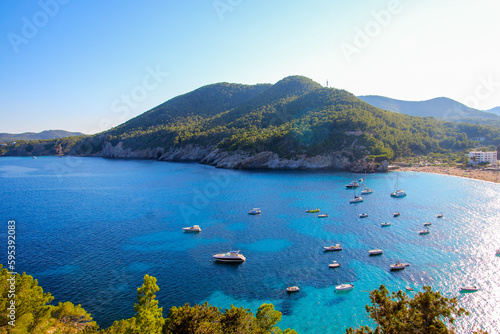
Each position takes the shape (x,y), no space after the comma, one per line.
(356,199)
(398,192)
(366,190)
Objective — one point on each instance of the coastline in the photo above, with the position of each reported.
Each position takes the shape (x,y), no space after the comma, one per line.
(482,175)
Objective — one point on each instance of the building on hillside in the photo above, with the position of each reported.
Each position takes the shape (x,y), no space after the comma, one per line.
(476,157)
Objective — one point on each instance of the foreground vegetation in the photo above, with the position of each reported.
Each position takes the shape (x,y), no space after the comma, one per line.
(428,313)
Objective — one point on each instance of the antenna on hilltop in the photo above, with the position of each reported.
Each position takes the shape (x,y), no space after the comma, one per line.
(326,83)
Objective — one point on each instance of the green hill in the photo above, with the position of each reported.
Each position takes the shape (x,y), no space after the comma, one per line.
(47,134)
(295,123)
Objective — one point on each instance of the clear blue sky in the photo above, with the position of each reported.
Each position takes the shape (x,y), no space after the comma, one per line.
(88,65)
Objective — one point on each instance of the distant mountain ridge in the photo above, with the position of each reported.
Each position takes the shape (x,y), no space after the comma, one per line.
(47,134)
(440,107)
(495,111)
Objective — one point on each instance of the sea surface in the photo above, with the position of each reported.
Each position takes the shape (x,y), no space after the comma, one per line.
(89,229)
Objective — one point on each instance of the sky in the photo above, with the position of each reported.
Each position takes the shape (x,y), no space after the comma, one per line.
(89,65)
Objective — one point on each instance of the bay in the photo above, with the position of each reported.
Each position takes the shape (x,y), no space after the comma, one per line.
(89,229)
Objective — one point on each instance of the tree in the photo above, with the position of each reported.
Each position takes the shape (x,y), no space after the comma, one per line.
(268,318)
(198,319)
(428,312)
(149,317)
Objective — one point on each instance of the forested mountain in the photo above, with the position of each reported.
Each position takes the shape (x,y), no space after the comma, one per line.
(440,108)
(295,123)
(495,110)
(47,134)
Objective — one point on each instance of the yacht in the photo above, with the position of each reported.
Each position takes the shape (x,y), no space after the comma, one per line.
(334,264)
(385,224)
(254,211)
(323,215)
(352,184)
(469,288)
(337,247)
(424,232)
(344,287)
(363,215)
(293,289)
(194,228)
(397,214)
(312,210)
(399,266)
(232,256)
(427,223)
(375,252)
(356,199)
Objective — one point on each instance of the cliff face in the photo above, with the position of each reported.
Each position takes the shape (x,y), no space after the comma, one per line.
(243,160)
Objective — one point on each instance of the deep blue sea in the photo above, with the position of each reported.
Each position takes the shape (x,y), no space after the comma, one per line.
(89,229)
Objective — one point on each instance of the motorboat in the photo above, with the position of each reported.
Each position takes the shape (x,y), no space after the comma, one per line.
(470,288)
(356,199)
(334,264)
(232,256)
(363,215)
(312,210)
(293,289)
(385,224)
(440,215)
(352,184)
(337,247)
(399,193)
(397,214)
(375,252)
(399,266)
(427,223)
(191,229)
(424,232)
(409,288)
(324,215)
(254,211)
(344,287)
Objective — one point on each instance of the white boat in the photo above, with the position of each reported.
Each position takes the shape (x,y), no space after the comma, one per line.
(424,232)
(396,214)
(232,256)
(352,184)
(366,190)
(337,247)
(356,199)
(409,288)
(440,215)
(323,215)
(399,266)
(363,215)
(470,288)
(34,157)
(427,223)
(334,264)
(398,192)
(292,289)
(194,228)
(375,252)
(385,224)
(344,287)
(254,211)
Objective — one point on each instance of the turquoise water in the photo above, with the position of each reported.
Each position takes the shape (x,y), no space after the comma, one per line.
(89,229)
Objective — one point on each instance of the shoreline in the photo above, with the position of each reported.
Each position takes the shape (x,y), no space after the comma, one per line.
(482,175)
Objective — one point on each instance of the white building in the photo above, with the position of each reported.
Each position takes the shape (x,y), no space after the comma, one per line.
(490,157)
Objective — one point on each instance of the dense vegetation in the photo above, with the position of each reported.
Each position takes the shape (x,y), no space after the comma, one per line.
(295,116)
(48,134)
(428,312)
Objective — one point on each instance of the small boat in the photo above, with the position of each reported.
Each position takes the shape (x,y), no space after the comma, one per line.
(337,247)
(424,232)
(356,199)
(344,287)
(334,264)
(254,211)
(375,252)
(293,289)
(34,157)
(194,228)
(471,288)
(232,256)
(366,190)
(427,223)
(323,215)
(385,224)
(409,288)
(397,214)
(440,215)
(399,266)
(312,210)
(360,180)
(363,215)
(398,192)
(352,184)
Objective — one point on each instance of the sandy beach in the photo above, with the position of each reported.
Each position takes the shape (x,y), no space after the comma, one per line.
(484,175)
